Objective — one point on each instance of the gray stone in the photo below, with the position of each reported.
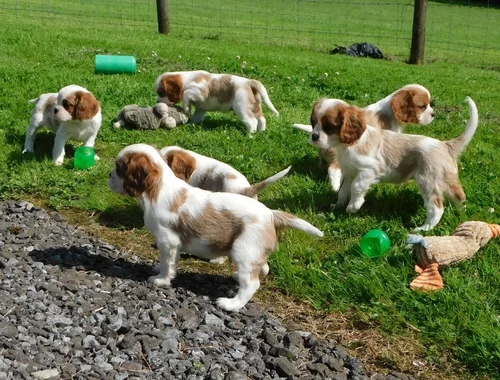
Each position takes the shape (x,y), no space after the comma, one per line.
(284,367)
(45,374)
(213,320)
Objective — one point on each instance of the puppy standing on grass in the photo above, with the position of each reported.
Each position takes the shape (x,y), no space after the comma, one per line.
(216,92)
(410,104)
(369,155)
(200,222)
(210,174)
(73,113)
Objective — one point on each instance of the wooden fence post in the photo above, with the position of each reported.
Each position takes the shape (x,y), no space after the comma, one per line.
(163,17)
(418,35)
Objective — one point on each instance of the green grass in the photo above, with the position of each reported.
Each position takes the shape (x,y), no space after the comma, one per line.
(459,324)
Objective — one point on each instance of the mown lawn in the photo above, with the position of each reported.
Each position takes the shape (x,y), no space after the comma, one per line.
(458,326)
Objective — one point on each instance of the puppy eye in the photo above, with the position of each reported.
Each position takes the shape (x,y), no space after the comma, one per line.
(423,106)
(65,103)
(328,127)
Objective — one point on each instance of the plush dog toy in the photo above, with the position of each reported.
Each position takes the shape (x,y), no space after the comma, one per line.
(435,251)
(159,116)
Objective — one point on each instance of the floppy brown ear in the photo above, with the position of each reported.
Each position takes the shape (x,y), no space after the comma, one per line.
(141,175)
(353,126)
(182,164)
(86,106)
(171,87)
(403,107)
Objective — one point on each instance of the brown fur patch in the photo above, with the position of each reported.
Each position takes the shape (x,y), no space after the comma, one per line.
(222,89)
(140,175)
(458,191)
(179,200)
(317,104)
(182,164)
(353,127)
(333,119)
(438,201)
(379,120)
(327,157)
(219,228)
(171,87)
(407,104)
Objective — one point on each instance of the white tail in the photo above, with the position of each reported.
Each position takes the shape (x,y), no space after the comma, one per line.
(285,220)
(265,96)
(303,127)
(460,143)
(255,190)
(34,100)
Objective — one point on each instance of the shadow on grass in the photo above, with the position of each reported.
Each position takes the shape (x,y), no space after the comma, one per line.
(81,259)
(127,216)
(44,142)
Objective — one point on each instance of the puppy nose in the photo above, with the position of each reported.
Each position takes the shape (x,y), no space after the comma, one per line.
(432,114)
(315,137)
(56,110)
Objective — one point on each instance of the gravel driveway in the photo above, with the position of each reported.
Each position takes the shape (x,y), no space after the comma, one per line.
(72,306)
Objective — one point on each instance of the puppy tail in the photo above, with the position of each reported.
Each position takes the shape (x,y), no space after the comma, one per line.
(458,144)
(255,190)
(285,220)
(263,92)
(303,127)
(33,101)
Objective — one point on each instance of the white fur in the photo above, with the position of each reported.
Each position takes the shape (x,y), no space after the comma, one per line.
(240,104)
(248,250)
(61,122)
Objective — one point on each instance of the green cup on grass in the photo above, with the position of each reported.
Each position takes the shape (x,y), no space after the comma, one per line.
(84,157)
(375,243)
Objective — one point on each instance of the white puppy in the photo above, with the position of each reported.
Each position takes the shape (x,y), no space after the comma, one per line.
(216,92)
(200,222)
(73,113)
(410,104)
(369,155)
(210,174)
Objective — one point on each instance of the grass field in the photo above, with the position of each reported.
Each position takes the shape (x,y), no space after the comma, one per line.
(458,328)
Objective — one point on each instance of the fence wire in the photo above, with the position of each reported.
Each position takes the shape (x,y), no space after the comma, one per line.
(456,31)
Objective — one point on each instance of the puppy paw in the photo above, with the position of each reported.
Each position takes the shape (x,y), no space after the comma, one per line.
(352,208)
(229,304)
(58,162)
(28,151)
(218,260)
(96,157)
(424,227)
(117,125)
(159,281)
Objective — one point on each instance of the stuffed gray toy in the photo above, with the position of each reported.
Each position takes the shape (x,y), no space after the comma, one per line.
(159,116)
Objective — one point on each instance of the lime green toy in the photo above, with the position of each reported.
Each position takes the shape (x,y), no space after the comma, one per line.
(115,64)
(84,157)
(375,243)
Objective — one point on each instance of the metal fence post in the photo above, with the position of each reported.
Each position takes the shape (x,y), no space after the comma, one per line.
(418,35)
(163,17)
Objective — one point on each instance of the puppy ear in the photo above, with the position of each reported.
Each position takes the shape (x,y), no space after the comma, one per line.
(171,87)
(182,164)
(86,106)
(403,107)
(353,126)
(141,175)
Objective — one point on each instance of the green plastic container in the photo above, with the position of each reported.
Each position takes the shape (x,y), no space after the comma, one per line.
(115,64)
(84,157)
(375,243)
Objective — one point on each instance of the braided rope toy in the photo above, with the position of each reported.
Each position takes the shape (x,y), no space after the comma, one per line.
(440,251)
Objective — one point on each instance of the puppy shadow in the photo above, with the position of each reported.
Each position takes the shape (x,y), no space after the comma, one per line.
(309,166)
(81,259)
(44,143)
(127,217)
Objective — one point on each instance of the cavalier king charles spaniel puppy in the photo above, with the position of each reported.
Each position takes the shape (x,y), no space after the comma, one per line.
(410,104)
(369,155)
(210,174)
(73,113)
(200,222)
(216,92)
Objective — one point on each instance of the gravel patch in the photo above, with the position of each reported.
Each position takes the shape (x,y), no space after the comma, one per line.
(72,306)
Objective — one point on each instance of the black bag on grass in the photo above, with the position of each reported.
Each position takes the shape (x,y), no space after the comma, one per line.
(363,49)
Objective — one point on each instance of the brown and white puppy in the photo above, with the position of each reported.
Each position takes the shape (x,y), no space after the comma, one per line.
(410,104)
(73,113)
(216,92)
(210,174)
(369,155)
(200,222)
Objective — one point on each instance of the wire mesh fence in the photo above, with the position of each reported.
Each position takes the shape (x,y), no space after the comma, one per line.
(456,31)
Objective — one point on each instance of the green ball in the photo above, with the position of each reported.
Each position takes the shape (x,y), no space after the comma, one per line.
(375,243)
